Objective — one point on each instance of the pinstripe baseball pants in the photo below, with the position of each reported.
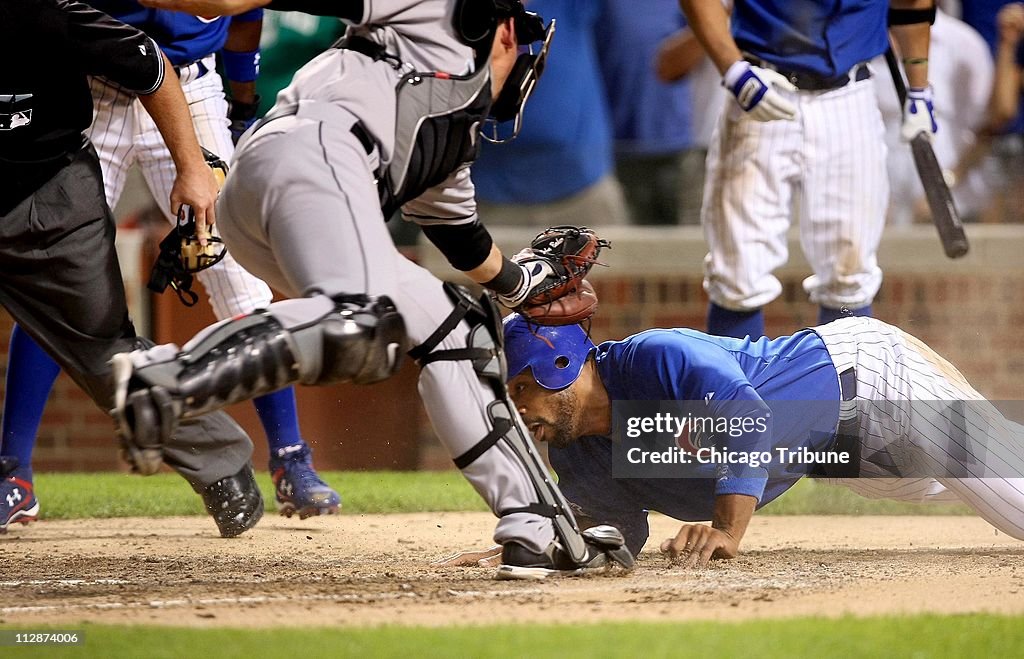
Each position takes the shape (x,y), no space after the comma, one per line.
(125,134)
(920,418)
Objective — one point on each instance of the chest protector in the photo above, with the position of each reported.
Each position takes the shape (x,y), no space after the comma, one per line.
(437,128)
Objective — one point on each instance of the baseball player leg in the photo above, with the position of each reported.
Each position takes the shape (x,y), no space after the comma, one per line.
(910,490)
(232,292)
(751,169)
(845,195)
(71,300)
(30,376)
(308,182)
(963,440)
(113,132)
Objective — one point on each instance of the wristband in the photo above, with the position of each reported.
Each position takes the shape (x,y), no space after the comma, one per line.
(241,66)
(912,16)
(508,280)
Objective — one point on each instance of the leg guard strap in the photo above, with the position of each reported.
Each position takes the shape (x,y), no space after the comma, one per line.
(501,427)
(484,350)
(534,509)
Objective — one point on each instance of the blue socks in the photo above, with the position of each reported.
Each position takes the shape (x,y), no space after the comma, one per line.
(826,315)
(740,324)
(280,419)
(737,324)
(30,377)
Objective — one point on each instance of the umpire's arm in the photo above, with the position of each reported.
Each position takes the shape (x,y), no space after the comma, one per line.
(103,46)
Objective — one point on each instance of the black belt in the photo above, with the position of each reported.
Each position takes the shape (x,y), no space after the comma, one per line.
(368,47)
(847,438)
(289,110)
(812,82)
(178,68)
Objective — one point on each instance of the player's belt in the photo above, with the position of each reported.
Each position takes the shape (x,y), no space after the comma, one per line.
(812,82)
(191,71)
(358,130)
(847,438)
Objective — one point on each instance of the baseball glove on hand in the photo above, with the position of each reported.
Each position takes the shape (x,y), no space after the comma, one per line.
(554,291)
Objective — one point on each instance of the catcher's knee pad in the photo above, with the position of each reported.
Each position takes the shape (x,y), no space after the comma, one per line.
(228,363)
(362,341)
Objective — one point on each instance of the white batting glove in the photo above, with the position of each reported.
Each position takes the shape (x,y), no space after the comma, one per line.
(755,91)
(918,114)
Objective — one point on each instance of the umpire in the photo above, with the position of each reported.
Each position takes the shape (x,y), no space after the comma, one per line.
(59,274)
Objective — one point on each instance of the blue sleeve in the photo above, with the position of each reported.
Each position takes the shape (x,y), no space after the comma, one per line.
(681,366)
(585,478)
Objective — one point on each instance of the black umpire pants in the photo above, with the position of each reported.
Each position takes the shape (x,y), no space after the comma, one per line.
(61,281)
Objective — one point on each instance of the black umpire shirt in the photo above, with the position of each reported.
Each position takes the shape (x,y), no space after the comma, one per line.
(48,48)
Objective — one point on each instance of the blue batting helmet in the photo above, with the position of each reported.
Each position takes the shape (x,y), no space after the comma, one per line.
(556,355)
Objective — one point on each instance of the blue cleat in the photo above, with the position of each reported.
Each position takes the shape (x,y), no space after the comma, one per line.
(18,503)
(297,486)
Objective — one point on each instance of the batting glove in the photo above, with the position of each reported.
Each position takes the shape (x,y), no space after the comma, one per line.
(535,270)
(242,116)
(918,114)
(755,91)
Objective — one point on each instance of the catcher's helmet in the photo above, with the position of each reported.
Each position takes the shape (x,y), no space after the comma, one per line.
(555,354)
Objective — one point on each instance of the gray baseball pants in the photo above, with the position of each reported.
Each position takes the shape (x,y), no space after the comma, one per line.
(300,211)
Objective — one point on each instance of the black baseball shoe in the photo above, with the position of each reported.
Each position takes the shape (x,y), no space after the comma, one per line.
(234,502)
(606,550)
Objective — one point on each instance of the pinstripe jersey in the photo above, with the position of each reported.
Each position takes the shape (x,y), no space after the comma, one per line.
(904,390)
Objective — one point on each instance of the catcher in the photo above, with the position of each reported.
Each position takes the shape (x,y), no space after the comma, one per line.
(390,118)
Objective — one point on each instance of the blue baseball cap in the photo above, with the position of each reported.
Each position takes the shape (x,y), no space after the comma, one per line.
(555,355)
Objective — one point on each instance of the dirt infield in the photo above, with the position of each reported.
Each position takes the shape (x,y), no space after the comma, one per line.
(373,569)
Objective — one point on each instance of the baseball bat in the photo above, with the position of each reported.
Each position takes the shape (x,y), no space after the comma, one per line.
(940,199)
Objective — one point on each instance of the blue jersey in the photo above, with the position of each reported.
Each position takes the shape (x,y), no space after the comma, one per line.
(687,365)
(814,36)
(183,38)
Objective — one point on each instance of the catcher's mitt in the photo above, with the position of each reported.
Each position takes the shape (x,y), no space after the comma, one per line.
(556,263)
(181,255)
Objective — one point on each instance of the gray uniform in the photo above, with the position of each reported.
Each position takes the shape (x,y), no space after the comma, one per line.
(301,211)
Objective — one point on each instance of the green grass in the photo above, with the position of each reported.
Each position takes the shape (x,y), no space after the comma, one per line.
(913,636)
(70,496)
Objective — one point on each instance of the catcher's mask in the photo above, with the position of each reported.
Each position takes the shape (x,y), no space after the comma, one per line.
(554,354)
(522,79)
(181,255)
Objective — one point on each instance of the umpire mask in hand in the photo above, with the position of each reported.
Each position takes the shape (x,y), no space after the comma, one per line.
(522,79)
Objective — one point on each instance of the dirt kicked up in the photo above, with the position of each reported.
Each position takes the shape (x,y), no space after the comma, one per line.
(374,569)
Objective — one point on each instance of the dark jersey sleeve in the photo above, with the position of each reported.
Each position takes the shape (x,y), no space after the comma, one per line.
(103,46)
(585,477)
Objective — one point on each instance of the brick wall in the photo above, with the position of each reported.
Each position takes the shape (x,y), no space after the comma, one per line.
(970,310)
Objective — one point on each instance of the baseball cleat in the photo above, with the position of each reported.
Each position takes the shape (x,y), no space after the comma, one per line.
(606,550)
(18,503)
(234,502)
(297,486)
